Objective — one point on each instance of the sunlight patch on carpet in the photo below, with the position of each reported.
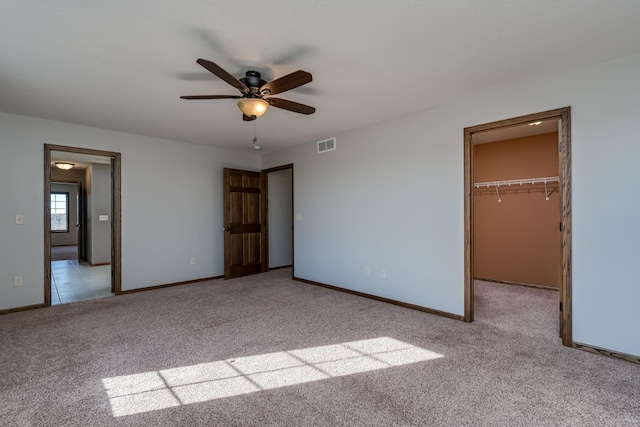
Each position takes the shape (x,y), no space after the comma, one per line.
(150,391)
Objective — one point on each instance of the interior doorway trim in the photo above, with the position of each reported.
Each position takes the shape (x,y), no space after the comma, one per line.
(265,214)
(564,152)
(116,209)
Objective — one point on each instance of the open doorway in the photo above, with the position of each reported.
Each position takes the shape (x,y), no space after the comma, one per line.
(551,187)
(258,220)
(82,224)
(279,212)
(65,218)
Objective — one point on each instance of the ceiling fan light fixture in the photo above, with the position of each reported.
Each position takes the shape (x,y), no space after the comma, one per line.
(64,165)
(253,106)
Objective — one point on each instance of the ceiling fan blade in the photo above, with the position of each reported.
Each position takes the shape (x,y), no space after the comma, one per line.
(291,106)
(248,119)
(211,97)
(288,82)
(224,75)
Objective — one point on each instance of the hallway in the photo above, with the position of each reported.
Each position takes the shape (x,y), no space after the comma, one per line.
(71,282)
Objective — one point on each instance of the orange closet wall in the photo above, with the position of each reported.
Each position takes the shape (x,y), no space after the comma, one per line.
(518,239)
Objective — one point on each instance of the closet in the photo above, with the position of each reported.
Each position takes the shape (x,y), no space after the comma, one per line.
(516,209)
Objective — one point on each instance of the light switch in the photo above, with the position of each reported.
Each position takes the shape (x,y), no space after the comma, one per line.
(298,217)
(103,217)
(19,219)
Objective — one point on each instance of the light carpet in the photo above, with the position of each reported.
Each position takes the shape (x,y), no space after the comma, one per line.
(266,350)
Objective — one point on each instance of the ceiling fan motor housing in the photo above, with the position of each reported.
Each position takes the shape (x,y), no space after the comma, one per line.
(253,81)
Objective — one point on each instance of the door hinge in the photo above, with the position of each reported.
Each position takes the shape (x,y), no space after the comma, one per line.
(560,305)
(560,147)
(560,226)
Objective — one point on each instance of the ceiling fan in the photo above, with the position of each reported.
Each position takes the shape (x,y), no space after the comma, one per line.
(253,102)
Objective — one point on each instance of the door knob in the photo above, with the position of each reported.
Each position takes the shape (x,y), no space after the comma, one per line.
(226,229)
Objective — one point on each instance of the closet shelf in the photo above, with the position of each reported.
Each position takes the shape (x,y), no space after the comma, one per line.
(510,182)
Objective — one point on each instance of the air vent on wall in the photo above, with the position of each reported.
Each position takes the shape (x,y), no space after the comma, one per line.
(326,145)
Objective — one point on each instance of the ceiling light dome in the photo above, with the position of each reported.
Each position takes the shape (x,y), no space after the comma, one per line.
(253,106)
(64,165)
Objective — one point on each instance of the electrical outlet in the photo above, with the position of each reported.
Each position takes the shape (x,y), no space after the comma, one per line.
(383,274)
(17,281)
(193,260)
(366,271)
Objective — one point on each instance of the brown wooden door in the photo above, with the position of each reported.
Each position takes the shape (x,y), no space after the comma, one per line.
(82,223)
(244,235)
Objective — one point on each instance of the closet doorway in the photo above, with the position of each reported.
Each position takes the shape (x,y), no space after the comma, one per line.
(278,204)
(521,231)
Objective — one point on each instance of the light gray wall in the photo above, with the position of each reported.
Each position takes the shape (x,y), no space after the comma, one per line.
(280,232)
(171,192)
(70,237)
(392,196)
(71,175)
(98,203)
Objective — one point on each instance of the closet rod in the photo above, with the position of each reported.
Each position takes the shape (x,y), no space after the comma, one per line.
(511,182)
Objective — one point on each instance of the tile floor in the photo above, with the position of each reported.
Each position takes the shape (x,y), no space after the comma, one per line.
(71,282)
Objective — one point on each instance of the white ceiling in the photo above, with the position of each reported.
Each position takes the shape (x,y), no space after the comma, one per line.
(123,64)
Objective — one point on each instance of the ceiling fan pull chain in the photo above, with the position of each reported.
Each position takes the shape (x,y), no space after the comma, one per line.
(255,135)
